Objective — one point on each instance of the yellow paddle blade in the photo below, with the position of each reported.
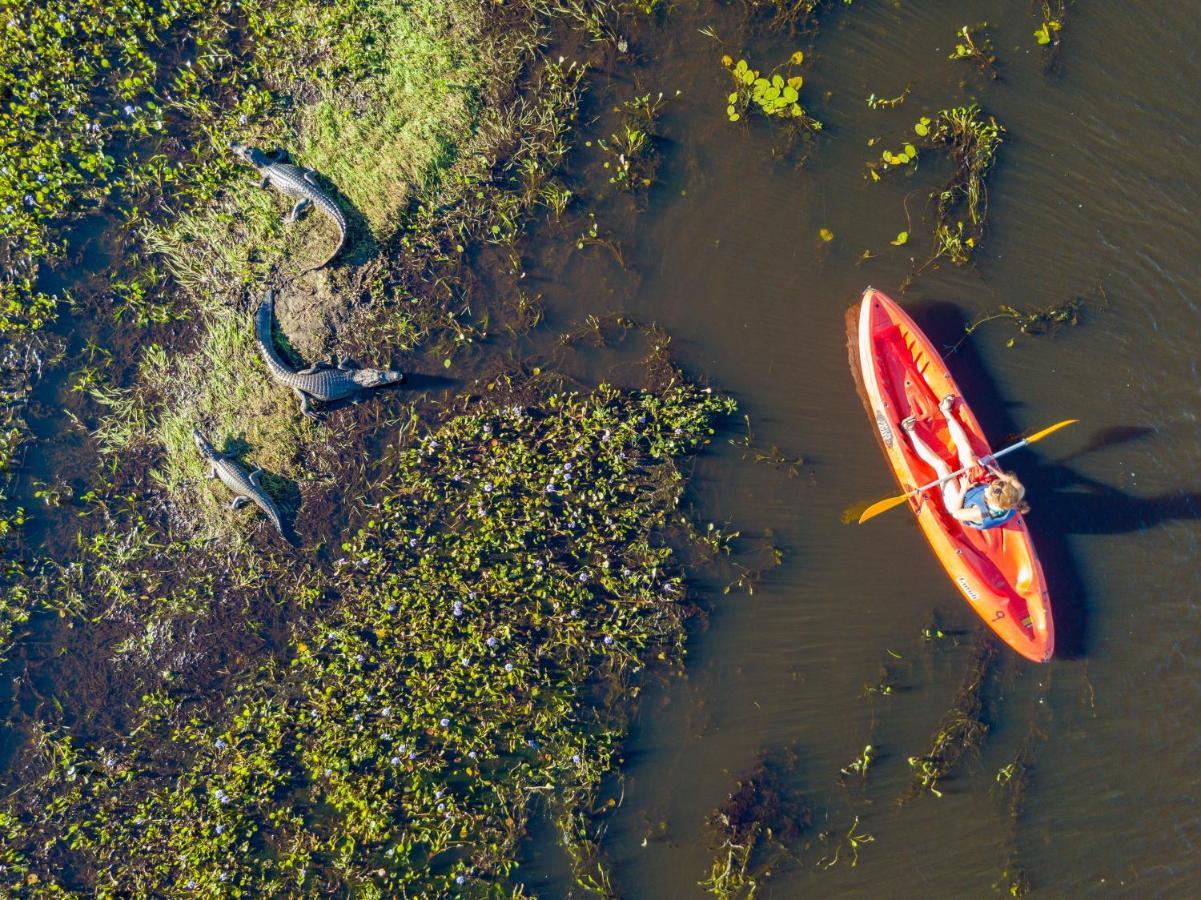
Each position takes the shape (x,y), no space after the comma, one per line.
(851,514)
(881,506)
(1039,435)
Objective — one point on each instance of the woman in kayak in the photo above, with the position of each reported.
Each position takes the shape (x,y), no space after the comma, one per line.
(980,497)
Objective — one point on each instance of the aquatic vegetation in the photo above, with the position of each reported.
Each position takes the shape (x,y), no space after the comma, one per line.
(793,15)
(970,140)
(1012,782)
(757,817)
(633,155)
(772,456)
(859,765)
(874,102)
(1049,34)
(973,45)
(903,156)
(962,729)
(1045,320)
(511,577)
(775,94)
(849,844)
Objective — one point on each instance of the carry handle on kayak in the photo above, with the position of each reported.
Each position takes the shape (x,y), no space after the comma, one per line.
(884,505)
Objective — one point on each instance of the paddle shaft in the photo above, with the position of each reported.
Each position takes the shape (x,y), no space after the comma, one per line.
(983,460)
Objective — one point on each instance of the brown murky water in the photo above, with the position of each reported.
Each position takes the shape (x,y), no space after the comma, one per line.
(1097,184)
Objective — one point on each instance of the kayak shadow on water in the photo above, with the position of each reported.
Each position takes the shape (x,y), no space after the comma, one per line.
(944,323)
(1064,501)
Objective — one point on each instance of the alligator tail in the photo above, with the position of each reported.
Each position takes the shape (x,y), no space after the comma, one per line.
(339,218)
(273,514)
(262,333)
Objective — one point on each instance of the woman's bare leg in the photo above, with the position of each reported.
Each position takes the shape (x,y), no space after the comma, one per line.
(952,490)
(963,444)
(929,457)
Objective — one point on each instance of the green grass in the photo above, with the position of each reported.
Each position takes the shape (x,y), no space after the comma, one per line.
(223,389)
(381,98)
(416,73)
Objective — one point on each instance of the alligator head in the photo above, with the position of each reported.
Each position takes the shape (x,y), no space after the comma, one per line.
(372,378)
(249,155)
(201,444)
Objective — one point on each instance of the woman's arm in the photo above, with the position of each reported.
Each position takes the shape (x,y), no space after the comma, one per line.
(954,503)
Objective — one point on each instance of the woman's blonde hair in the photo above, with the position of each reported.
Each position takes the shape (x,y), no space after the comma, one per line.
(1006,492)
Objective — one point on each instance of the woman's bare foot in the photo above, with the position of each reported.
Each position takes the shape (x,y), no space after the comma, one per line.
(947,403)
(909,424)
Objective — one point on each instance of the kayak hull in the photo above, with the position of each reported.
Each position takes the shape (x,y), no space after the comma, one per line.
(900,373)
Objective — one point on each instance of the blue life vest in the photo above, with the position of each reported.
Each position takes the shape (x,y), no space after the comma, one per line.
(974,496)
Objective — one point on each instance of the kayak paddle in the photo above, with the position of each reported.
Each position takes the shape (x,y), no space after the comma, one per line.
(884,505)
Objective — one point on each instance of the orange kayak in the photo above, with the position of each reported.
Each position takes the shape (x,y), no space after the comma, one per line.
(900,373)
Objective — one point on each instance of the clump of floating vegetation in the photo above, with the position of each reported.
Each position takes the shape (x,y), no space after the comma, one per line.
(511,577)
(776,94)
(793,15)
(1049,33)
(632,151)
(758,816)
(859,765)
(973,45)
(1044,320)
(1013,781)
(971,140)
(962,729)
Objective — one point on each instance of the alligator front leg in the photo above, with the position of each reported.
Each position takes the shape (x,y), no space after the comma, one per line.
(238,502)
(310,177)
(347,364)
(299,209)
(211,473)
(254,478)
(314,368)
(304,403)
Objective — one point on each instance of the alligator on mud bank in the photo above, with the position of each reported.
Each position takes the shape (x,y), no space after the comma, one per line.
(321,381)
(245,485)
(293,181)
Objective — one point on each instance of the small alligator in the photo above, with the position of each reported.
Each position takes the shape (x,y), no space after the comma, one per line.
(294,182)
(321,381)
(245,485)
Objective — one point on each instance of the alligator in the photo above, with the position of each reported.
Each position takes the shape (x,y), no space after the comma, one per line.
(294,182)
(322,382)
(245,485)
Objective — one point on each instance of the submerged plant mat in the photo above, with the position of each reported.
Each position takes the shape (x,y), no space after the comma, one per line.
(511,579)
(962,729)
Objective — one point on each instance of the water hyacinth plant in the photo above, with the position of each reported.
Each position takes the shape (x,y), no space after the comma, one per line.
(512,572)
